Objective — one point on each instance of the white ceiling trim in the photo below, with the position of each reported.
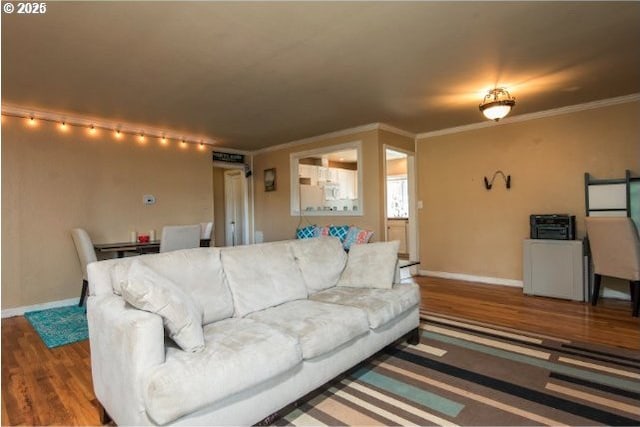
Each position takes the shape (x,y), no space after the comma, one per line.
(397,131)
(338,133)
(533,116)
(343,132)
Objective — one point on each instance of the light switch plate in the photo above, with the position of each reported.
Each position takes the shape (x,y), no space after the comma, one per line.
(148,199)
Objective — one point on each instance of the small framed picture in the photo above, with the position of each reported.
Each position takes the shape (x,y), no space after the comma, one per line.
(270,179)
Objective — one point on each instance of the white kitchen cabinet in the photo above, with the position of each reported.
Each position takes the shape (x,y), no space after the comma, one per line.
(554,268)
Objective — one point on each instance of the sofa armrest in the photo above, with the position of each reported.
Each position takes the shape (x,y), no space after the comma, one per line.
(125,342)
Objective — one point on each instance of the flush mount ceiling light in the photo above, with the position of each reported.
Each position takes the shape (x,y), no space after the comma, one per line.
(497,104)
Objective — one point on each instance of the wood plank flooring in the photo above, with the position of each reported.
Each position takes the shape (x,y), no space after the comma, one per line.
(609,323)
(43,387)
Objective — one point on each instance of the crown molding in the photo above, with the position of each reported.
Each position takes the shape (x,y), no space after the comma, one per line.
(533,116)
(397,131)
(343,132)
(316,138)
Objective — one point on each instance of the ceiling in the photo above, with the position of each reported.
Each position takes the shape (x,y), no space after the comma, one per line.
(251,75)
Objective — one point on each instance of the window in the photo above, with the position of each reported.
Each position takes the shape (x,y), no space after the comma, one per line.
(397,197)
(327,181)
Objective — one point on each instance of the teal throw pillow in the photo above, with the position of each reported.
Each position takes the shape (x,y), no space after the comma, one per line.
(339,231)
(306,232)
(351,236)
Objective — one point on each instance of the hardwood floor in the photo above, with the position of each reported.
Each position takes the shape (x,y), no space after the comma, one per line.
(42,386)
(609,323)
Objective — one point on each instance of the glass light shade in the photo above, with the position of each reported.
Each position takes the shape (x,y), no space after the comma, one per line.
(497,104)
(496,112)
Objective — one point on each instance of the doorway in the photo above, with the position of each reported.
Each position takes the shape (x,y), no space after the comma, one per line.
(235,207)
(230,206)
(400,207)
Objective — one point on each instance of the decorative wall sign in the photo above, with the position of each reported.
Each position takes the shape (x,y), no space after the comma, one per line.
(219,156)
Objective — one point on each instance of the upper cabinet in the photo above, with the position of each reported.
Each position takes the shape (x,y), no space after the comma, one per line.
(327,181)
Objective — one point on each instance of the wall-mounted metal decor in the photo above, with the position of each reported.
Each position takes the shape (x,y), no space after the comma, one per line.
(507,180)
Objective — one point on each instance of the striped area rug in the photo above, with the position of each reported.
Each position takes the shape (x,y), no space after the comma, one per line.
(469,373)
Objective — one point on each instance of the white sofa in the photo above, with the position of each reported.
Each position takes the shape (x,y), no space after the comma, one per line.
(278,320)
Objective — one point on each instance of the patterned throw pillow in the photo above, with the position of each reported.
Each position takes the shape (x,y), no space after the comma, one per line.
(350,239)
(322,231)
(306,232)
(356,236)
(363,236)
(339,231)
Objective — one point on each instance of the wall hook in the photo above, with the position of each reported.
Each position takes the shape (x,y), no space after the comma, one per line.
(507,180)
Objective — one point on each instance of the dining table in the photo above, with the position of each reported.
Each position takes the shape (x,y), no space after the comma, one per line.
(120,248)
(139,248)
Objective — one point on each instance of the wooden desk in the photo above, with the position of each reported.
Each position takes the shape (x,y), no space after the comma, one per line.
(121,247)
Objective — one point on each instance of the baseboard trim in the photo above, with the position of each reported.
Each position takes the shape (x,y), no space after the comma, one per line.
(615,294)
(19,311)
(472,278)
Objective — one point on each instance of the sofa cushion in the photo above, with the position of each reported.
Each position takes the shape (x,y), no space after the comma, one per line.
(381,305)
(196,271)
(150,291)
(262,276)
(321,261)
(239,354)
(371,266)
(319,327)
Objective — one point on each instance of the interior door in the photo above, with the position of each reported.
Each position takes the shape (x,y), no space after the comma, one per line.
(235,207)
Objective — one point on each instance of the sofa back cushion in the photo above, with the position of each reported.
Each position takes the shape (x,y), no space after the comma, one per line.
(197,271)
(262,276)
(321,261)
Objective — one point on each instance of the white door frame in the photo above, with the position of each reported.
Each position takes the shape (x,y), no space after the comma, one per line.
(412,231)
(246,238)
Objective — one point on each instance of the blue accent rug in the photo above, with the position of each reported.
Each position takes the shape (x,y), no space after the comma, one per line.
(60,326)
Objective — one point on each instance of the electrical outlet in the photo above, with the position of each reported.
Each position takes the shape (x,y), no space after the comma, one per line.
(419,204)
(148,199)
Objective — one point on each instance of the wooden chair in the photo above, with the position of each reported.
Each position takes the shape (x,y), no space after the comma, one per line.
(615,250)
(176,237)
(86,255)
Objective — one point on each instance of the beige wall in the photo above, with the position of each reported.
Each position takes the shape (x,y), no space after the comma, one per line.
(467,229)
(393,140)
(52,182)
(272,209)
